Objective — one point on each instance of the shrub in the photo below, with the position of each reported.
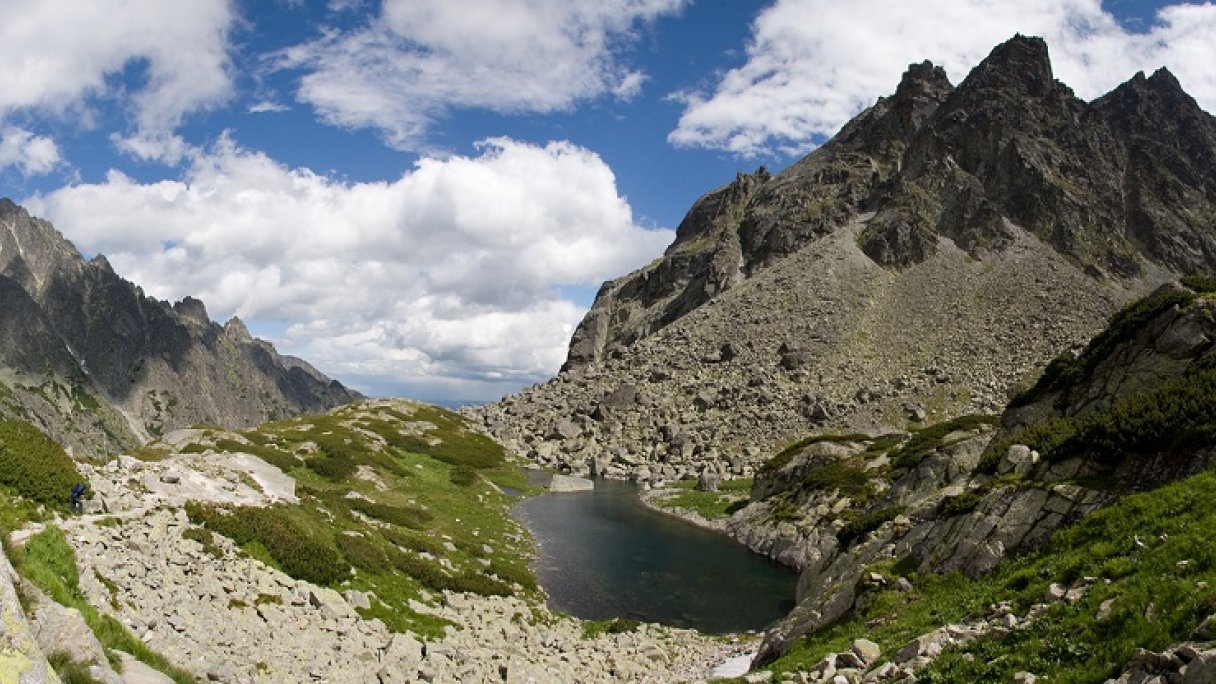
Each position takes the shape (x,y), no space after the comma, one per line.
(405,516)
(331,468)
(927,440)
(866,523)
(1063,373)
(275,457)
(363,553)
(787,454)
(463,476)
(1202,283)
(298,552)
(850,480)
(35,466)
(412,542)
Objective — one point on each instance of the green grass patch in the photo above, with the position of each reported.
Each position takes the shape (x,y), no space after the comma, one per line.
(47,560)
(405,516)
(1201,283)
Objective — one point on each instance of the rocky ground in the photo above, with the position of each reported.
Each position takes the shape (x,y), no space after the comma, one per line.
(823,340)
(225,616)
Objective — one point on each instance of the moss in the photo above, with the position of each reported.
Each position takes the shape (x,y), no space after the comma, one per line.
(1201,283)
(595,628)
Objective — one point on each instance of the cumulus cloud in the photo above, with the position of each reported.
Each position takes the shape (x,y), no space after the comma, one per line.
(451,273)
(58,55)
(813,64)
(33,154)
(421,58)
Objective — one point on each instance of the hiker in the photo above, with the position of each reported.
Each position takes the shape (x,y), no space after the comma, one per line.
(78,494)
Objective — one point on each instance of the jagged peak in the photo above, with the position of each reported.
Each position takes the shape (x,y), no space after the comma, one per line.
(100,261)
(235,329)
(192,309)
(921,79)
(1021,63)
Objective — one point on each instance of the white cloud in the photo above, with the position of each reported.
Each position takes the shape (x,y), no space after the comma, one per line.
(58,55)
(33,154)
(450,274)
(421,58)
(813,64)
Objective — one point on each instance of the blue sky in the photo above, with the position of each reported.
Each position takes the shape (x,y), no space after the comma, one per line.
(422,196)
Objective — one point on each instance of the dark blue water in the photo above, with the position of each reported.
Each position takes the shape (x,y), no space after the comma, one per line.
(604,555)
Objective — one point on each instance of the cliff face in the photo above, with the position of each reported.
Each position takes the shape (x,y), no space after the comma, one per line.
(97,364)
(926,262)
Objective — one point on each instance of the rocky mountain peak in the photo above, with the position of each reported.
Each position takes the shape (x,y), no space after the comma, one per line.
(235,329)
(192,309)
(1020,65)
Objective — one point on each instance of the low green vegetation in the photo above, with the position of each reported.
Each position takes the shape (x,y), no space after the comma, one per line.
(859,523)
(396,499)
(787,454)
(1178,414)
(1150,555)
(47,560)
(34,466)
(730,497)
(596,628)
(927,440)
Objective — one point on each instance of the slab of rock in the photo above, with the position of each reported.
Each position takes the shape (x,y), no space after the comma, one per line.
(569,483)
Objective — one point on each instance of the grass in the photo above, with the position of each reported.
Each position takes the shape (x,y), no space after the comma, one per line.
(47,560)
(730,497)
(1150,552)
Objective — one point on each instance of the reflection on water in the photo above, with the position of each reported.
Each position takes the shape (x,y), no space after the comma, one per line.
(604,555)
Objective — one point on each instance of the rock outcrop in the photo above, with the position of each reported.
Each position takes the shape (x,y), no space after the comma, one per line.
(1126,415)
(926,262)
(102,367)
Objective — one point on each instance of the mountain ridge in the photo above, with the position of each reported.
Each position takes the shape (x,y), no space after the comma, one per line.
(926,262)
(100,365)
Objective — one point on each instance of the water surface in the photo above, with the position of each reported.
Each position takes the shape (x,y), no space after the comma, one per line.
(604,555)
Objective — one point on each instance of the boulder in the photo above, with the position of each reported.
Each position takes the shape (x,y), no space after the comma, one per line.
(569,483)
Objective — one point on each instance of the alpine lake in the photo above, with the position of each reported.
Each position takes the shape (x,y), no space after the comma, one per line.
(603,554)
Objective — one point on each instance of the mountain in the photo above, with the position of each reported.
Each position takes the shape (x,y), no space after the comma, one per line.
(926,262)
(98,365)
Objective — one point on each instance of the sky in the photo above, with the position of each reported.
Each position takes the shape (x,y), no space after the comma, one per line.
(421,197)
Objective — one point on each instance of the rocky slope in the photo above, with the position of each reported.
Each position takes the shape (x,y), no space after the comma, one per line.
(1129,414)
(102,367)
(926,262)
